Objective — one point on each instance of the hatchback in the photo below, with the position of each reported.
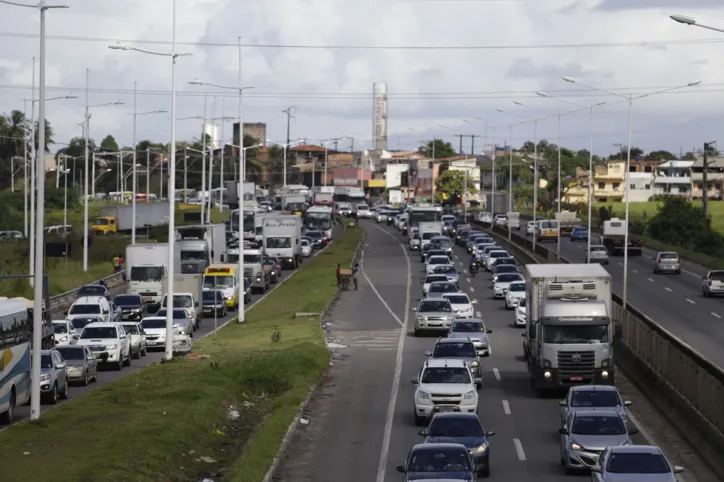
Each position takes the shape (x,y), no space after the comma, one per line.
(667,262)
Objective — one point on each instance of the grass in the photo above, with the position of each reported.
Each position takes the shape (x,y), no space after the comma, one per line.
(155,424)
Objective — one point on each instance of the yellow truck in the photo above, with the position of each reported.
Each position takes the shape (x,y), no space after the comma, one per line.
(120,219)
(225,278)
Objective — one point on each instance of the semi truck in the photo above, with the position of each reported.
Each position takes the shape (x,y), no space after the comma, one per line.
(282,235)
(199,246)
(147,268)
(120,219)
(614,238)
(569,331)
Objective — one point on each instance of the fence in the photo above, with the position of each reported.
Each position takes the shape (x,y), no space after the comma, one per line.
(61,302)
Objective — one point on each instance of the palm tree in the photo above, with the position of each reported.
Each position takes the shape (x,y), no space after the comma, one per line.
(13,128)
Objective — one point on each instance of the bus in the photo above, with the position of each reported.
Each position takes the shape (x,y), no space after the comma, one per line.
(321,218)
(15,341)
(417,214)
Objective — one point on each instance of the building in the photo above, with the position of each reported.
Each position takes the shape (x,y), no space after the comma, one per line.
(608,181)
(644,165)
(641,186)
(470,167)
(306,153)
(715,178)
(257,130)
(673,178)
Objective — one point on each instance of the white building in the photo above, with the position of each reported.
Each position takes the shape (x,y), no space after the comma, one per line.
(641,186)
(393,175)
(673,178)
(473,172)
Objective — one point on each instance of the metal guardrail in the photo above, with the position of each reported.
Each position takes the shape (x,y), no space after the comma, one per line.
(677,379)
(64,300)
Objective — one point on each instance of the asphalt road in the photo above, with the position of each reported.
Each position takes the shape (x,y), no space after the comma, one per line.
(674,301)
(360,424)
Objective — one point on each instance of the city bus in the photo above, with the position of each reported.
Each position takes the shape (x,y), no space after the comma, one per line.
(417,214)
(15,341)
(321,218)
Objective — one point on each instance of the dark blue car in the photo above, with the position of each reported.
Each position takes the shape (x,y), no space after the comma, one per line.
(436,461)
(464,429)
(579,234)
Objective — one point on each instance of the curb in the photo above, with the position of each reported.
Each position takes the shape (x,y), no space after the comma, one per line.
(294,426)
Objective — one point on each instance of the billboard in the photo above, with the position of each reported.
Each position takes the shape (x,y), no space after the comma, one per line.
(379,115)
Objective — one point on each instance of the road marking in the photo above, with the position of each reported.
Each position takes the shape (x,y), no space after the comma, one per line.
(478,314)
(519,449)
(651,279)
(647,435)
(692,274)
(506,407)
(496,372)
(469,280)
(691,301)
(635,271)
(379,296)
(619,263)
(715,315)
(472,290)
(490,348)
(668,289)
(385,450)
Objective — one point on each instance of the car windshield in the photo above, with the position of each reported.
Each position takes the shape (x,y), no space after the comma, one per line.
(505,262)
(444,242)
(637,463)
(439,460)
(182,301)
(498,254)
(60,328)
(438,260)
(147,273)
(193,256)
(518,287)
(455,427)
(127,300)
(443,288)
(85,310)
(99,332)
(71,352)
(429,235)
(131,328)
(177,314)
(598,425)
(716,275)
(521,303)
(218,281)
(462,349)
(91,291)
(458,299)
(435,278)
(446,375)
(212,296)
(595,398)
(311,234)
(150,323)
(468,327)
(447,268)
(429,306)
(305,243)
(668,256)
(563,334)
(46,361)
(508,277)
(80,323)
(505,268)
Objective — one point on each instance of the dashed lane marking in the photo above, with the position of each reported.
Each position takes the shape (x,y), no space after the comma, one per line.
(651,279)
(691,301)
(715,315)
(472,290)
(620,263)
(668,289)
(519,449)
(496,373)
(506,407)
(478,314)
(635,271)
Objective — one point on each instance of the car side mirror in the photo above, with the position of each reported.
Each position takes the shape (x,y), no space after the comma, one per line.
(597,469)
(428,353)
(627,403)
(91,357)
(414,308)
(633,431)
(475,302)
(123,337)
(489,433)
(65,313)
(563,431)
(678,469)
(61,366)
(76,336)
(422,432)
(401,469)
(414,381)
(563,403)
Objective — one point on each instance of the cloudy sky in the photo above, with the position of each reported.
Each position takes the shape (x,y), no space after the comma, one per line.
(445,61)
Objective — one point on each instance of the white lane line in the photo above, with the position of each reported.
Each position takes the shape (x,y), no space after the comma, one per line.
(496,373)
(635,271)
(379,296)
(619,263)
(715,315)
(651,279)
(472,290)
(668,289)
(647,435)
(478,314)
(519,449)
(691,301)
(385,450)
(490,348)
(506,407)
(469,280)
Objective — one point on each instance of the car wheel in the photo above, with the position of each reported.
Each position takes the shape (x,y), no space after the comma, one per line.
(85,378)
(64,393)
(485,472)
(53,397)
(420,421)
(119,365)
(127,362)
(7,418)
(138,353)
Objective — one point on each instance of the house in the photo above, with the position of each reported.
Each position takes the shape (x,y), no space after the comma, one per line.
(469,166)
(715,178)
(673,178)
(608,181)
(576,191)
(641,186)
(307,153)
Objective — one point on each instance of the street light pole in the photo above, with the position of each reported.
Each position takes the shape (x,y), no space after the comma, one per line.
(86,128)
(133,181)
(33,166)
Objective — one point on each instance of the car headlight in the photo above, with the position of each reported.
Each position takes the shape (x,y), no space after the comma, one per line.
(45,377)
(111,347)
(471,395)
(63,338)
(420,318)
(479,449)
(422,395)
(575,446)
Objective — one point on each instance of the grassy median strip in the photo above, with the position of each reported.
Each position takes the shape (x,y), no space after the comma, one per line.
(221,414)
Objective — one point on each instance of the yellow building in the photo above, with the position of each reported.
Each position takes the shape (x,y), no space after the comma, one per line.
(608,181)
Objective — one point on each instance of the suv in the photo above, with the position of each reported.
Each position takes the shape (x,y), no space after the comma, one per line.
(433,315)
(667,262)
(90,307)
(444,385)
(713,283)
(458,349)
(108,342)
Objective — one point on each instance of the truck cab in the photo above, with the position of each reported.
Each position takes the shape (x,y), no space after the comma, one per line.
(255,270)
(282,235)
(199,246)
(225,278)
(146,265)
(105,226)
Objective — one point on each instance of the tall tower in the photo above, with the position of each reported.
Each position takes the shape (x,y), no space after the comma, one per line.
(379,115)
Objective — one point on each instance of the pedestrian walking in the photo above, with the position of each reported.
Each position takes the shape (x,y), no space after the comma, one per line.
(339,274)
(355,271)
(115,263)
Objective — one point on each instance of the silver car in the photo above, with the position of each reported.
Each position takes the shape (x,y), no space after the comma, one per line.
(591,397)
(439,288)
(634,463)
(53,376)
(181,320)
(81,364)
(587,433)
(501,283)
(449,271)
(138,339)
(433,315)
(598,254)
(475,331)
(306,248)
(667,262)
(414,242)
(458,349)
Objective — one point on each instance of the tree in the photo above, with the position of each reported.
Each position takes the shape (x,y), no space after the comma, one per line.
(13,128)
(623,152)
(109,144)
(660,154)
(76,148)
(450,186)
(442,149)
(680,223)
(689,156)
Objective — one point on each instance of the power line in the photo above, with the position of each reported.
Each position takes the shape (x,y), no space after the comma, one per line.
(644,44)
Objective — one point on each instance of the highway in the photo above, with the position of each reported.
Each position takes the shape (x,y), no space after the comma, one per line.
(361,424)
(673,301)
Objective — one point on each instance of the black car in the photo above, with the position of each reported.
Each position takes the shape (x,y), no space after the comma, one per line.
(465,429)
(438,461)
(93,290)
(272,269)
(214,303)
(132,307)
(318,239)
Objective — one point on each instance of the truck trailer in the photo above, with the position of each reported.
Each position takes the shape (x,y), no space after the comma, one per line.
(120,219)
(614,238)
(282,235)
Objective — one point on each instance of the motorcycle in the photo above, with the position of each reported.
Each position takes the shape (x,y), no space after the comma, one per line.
(473,268)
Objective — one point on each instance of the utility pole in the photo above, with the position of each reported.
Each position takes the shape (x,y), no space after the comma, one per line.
(705,178)
(472,144)
(288,112)
(460,136)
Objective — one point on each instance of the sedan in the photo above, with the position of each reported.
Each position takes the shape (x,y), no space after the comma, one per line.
(579,234)
(81,364)
(319,241)
(592,397)
(587,434)
(93,290)
(53,376)
(432,278)
(501,284)
(439,288)
(462,304)
(306,248)
(475,331)
(181,320)
(434,261)
(516,291)
(504,269)
(438,461)
(520,310)
(449,271)
(634,463)
(598,254)
(64,333)
(138,339)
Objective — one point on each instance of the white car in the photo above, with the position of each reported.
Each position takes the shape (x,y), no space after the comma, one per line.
(155,329)
(64,333)
(414,242)
(138,338)
(501,219)
(109,342)
(90,307)
(486,252)
(306,248)
(381,216)
(432,278)
(519,320)
(492,256)
(462,305)
(530,227)
(500,287)
(516,291)
(444,385)
(480,248)
(189,303)
(363,211)
(434,261)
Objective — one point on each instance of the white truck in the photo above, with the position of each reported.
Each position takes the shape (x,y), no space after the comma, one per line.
(249,220)
(199,247)
(294,203)
(258,274)
(231,197)
(513,221)
(428,230)
(323,198)
(567,220)
(569,329)
(187,293)
(147,268)
(282,235)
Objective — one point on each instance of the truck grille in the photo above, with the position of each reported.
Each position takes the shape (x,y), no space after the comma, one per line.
(193,267)
(577,364)
(248,272)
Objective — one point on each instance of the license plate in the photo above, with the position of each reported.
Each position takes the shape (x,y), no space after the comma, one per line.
(576,379)
(148,298)
(447,409)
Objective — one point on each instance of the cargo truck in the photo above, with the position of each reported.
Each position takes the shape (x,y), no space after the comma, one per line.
(428,230)
(324,198)
(567,220)
(294,203)
(147,268)
(187,293)
(120,219)
(199,246)
(282,235)
(513,221)
(614,238)
(231,197)
(569,329)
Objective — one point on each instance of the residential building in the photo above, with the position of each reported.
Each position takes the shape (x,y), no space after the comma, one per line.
(673,178)
(469,166)
(641,186)
(608,181)
(306,153)
(644,165)
(715,178)
(350,176)
(577,190)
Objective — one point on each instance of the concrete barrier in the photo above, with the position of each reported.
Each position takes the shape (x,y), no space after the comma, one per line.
(62,302)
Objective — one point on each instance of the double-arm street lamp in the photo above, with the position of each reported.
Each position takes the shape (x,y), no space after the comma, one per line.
(628,98)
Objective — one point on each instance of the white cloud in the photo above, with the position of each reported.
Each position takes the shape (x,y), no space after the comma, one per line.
(331,87)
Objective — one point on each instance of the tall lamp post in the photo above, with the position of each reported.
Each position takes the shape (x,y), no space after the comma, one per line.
(39,221)
(285,147)
(171,174)
(629,98)
(590,109)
